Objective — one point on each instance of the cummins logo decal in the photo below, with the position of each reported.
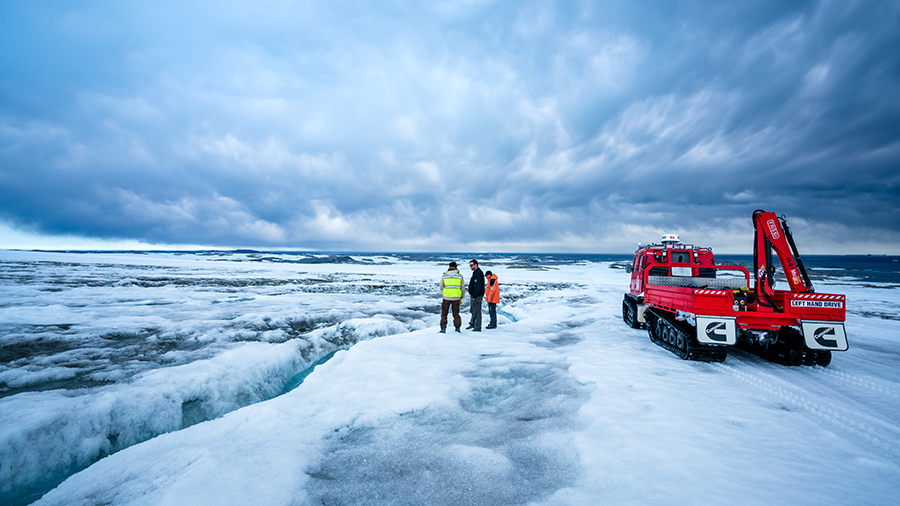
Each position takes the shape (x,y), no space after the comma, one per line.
(716,330)
(821,336)
(824,335)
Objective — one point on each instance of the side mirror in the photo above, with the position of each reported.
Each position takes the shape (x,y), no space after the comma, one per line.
(628,268)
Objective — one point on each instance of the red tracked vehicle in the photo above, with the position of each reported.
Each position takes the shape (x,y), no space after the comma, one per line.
(697,308)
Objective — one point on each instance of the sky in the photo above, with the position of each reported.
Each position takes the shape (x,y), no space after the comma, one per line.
(476,125)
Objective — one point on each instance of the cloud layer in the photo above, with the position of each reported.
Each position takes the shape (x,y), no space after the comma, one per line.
(531,125)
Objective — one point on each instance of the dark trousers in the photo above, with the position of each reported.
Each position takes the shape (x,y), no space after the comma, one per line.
(475,311)
(492,310)
(445,306)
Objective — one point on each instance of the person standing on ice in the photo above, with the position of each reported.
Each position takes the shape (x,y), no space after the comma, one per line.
(452,293)
(492,297)
(476,294)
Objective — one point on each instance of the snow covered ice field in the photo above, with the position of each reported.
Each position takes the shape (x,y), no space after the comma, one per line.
(169,378)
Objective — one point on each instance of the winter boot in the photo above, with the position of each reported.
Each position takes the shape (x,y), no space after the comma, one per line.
(444,330)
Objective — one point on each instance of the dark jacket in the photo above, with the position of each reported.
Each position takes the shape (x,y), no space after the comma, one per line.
(476,284)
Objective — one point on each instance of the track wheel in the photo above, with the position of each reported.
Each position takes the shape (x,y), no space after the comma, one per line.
(680,341)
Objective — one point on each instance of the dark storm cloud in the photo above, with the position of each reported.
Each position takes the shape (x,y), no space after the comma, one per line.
(502,125)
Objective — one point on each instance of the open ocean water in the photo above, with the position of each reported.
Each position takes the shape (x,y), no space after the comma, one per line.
(873,268)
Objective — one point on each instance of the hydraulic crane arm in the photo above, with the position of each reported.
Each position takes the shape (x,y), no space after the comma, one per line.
(772,232)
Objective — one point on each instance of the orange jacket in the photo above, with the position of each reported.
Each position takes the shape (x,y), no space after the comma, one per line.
(492,289)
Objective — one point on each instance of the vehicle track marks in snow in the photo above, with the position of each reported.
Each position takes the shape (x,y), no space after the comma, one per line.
(863,382)
(865,430)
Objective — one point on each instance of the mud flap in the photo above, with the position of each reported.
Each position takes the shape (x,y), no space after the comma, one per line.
(824,335)
(640,313)
(716,330)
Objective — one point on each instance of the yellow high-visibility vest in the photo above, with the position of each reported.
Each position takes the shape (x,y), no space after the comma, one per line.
(453,285)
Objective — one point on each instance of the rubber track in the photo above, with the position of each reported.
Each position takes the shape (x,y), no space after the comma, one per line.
(693,349)
(629,314)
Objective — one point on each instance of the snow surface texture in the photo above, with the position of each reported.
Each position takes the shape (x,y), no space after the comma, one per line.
(179,368)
